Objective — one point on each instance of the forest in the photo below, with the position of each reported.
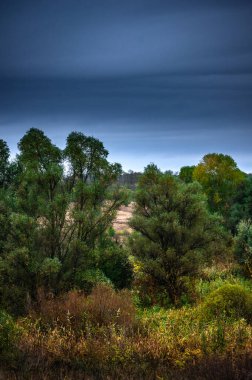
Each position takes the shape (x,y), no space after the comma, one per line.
(172,299)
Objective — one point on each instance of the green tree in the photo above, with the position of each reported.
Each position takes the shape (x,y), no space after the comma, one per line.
(241,207)
(42,171)
(243,245)
(42,193)
(174,230)
(95,197)
(186,173)
(114,263)
(54,224)
(4,163)
(19,264)
(220,177)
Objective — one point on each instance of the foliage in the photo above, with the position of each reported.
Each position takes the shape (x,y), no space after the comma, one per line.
(89,278)
(54,223)
(18,264)
(214,277)
(175,231)
(105,306)
(4,219)
(228,301)
(243,245)
(4,163)
(9,336)
(241,208)
(163,341)
(219,176)
(63,269)
(115,264)
(186,173)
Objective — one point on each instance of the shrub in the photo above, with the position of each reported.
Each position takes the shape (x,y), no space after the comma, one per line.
(65,309)
(216,276)
(231,301)
(115,264)
(106,306)
(103,307)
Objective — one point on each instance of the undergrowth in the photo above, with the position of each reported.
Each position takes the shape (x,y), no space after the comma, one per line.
(104,336)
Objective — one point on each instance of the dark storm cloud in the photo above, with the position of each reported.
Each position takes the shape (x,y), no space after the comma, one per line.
(166,116)
(163,80)
(157,98)
(116,37)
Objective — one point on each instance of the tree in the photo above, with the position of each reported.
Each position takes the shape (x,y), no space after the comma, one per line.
(42,194)
(186,173)
(4,162)
(174,230)
(53,234)
(34,243)
(42,171)
(220,177)
(19,269)
(95,198)
(243,245)
(241,208)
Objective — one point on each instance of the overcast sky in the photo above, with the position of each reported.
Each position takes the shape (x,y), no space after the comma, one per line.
(157,81)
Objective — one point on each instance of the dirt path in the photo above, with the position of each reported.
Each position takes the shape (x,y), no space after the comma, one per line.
(120,224)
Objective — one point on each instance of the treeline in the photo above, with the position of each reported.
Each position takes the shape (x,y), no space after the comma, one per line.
(129,180)
(57,208)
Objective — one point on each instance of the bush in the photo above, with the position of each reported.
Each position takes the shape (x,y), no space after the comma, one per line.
(9,334)
(215,276)
(103,307)
(114,263)
(64,310)
(231,301)
(106,306)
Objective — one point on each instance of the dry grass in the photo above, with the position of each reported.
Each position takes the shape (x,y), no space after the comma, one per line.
(111,344)
(102,336)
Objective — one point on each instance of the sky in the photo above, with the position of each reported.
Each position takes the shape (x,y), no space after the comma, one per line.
(156,80)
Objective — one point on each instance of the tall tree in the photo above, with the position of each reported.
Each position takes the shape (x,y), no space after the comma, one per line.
(174,229)
(95,198)
(42,194)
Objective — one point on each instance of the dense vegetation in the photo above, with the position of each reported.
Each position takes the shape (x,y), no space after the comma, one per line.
(171,301)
